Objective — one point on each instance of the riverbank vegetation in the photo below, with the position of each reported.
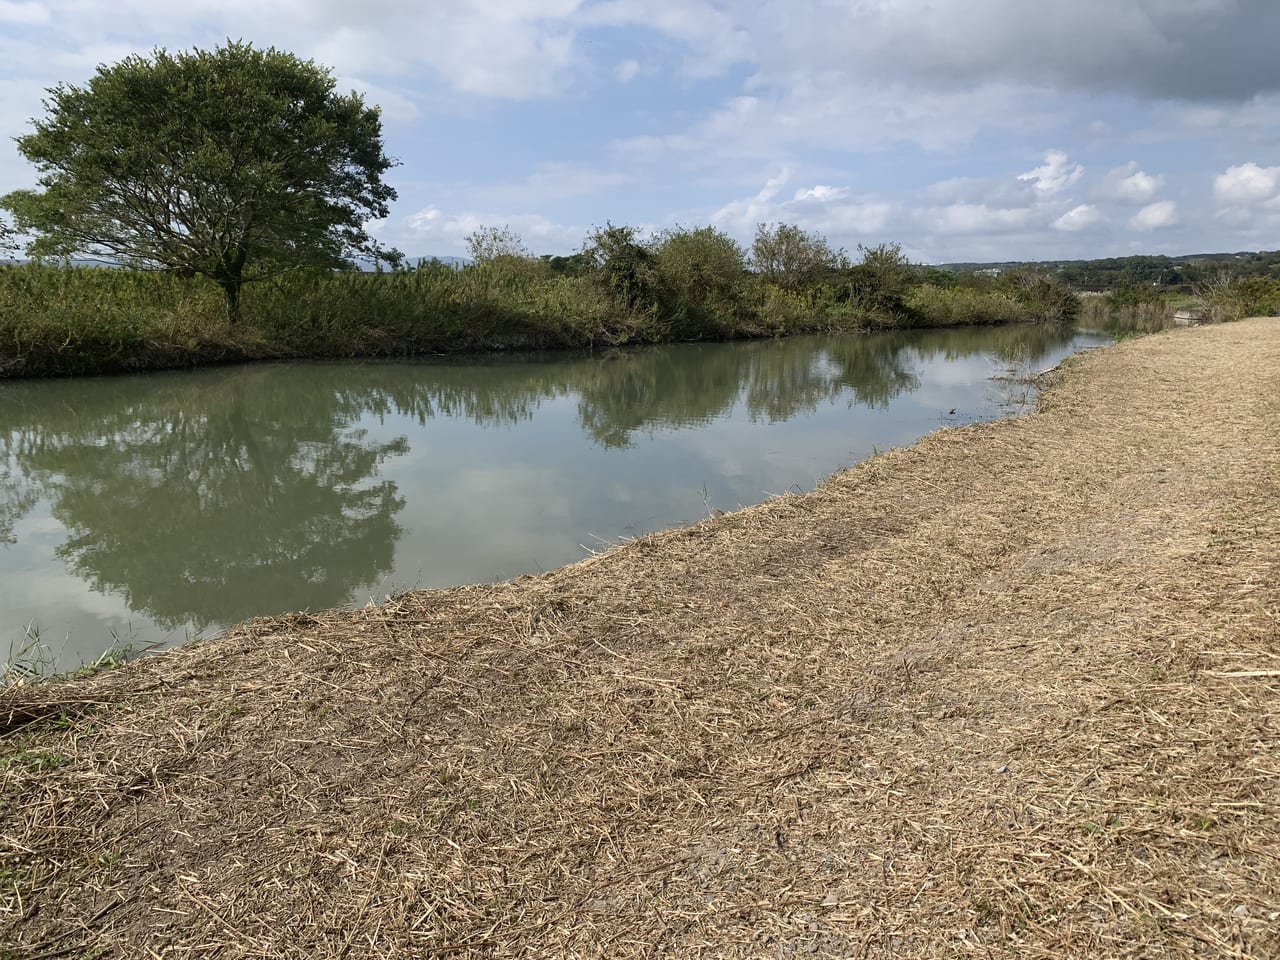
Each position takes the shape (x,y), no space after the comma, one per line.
(1154,307)
(620,288)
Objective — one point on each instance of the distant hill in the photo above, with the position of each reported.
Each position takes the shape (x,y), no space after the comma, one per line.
(1168,272)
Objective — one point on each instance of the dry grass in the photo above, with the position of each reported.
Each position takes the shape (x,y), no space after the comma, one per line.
(1011,692)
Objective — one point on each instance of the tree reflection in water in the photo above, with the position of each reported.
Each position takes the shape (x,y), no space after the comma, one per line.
(211,498)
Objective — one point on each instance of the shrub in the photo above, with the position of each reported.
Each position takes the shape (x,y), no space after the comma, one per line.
(622,265)
(701,278)
(790,258)
(1045,295)
(879,284)
(1233,298)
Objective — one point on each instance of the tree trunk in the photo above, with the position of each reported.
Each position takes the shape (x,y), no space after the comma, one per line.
(230,278)
(231,291)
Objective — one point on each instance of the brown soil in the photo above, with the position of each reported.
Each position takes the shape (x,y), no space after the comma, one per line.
(1011,692)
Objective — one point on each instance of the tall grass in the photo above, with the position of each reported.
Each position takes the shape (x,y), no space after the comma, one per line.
(1123,311)
(1144,309)
(1233,298)
(56,320)
(64,320)
(946,307)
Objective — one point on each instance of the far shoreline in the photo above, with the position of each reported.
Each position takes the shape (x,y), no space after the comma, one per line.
(77,321)
(514,352)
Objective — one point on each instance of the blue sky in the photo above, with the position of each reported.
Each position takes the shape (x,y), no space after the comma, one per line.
(962,129)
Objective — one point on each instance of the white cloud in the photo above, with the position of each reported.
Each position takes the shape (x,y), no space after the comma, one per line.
(395,106)
(627,71)
(547,184)
(433,227)
(559,180)
(997,191)
(833,212)
(1079,218)
(1192,49)
(833,111)
(508,49)
(1055,175)
(715,38)
(28,13)
(866,99)
(1143,50)
(1206,118)
(1247,185)
(822,194)
(848,223)
(522,49)
(1128,184)
(963,218)
(1259,117)
(1156,216)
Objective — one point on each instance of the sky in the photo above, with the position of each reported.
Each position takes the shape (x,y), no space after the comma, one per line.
(964,130)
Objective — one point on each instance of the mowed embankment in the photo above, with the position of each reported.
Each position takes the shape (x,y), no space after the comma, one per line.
(1012,691)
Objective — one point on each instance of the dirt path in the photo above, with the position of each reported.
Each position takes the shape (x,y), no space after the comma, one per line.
(1012,691)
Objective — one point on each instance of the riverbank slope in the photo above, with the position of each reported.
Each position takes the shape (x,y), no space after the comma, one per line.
(1012,691)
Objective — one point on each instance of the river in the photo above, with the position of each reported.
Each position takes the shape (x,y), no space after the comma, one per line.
(145,511)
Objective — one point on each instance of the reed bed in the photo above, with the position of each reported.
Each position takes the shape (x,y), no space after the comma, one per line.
(1013,691)
(1150,315)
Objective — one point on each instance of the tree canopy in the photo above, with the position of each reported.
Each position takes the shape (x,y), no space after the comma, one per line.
(236,164)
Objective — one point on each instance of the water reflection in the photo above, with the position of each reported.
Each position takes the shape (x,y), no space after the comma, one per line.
(182,502)
(774,380)
(207,499)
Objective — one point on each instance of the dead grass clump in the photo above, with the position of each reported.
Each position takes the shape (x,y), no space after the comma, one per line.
(1012,691)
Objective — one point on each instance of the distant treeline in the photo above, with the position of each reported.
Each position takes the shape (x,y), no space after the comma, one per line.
(621,288)
(1173,274)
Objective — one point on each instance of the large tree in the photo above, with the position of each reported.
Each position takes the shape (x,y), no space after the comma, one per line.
(235,163)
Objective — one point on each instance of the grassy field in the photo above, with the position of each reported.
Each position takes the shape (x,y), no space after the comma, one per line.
(1009,692)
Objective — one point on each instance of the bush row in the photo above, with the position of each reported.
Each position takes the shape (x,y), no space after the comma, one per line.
(686,284)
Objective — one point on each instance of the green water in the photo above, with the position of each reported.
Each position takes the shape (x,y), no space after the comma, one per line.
(155,508)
